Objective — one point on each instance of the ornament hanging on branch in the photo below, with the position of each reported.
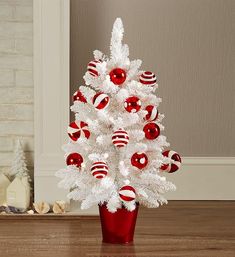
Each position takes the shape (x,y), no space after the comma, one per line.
(120,138)
(92,68)
(152,114)
(74,159)
(132,104)
(78,96)
(139,160)
(99,169)
(78,130)
(148,78)
(151,130)
(117,76)
(100,101)
(175,161)
(127,193)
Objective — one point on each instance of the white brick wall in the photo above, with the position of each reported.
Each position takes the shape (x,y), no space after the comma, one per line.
(16,79)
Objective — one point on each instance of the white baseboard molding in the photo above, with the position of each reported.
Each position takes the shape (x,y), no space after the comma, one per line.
(200,178)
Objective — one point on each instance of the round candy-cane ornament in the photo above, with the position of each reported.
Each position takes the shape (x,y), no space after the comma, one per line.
(175,161)
(92,69)
(127,193)
(120,138)
(78,129)
(148,78)
(152,113)
(99,169)
(100,101)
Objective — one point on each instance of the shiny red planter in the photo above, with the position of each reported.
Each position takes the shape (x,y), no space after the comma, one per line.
(118,227)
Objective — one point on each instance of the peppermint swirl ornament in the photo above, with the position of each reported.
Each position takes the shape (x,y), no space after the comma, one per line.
(99,169)
(175,161)
(78,129)
(152,114)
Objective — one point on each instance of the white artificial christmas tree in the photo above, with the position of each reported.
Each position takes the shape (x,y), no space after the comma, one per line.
(115,151)
(18,192)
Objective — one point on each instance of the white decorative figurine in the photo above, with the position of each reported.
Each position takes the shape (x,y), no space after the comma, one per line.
(4,183)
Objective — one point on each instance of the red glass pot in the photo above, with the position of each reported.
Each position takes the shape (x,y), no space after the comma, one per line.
(118,227)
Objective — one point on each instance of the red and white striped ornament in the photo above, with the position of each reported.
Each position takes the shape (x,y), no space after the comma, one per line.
(92,68)
(78,129)
(152,113)
(100,101)
(175,164)
(127,193)
(99,169)
(120,138)
(148,78)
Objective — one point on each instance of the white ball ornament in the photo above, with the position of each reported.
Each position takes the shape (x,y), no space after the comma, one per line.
(120,138)
(100,101)
(99,169)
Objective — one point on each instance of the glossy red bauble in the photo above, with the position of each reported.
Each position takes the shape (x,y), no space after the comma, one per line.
(127,193)
(151,130)
(139,160)
(175,161)
(118,76)
(152,114)
(78,96)
(132,104)
(74,159)
(100,101)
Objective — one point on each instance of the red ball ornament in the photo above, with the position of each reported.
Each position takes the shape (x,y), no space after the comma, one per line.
(99,169)
(132,104)
(175,161)
(78,129)
(100,101)
(117,76)
(148,78)
(78,96)
(74,159)
(139,160)
(152,113)
(151,130)
(92,68)
(120,138)
(127,193)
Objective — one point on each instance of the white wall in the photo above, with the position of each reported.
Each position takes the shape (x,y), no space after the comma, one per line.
(16,79)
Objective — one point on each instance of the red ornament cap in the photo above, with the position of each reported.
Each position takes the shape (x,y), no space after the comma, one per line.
(139,160)
(132,104)
(78,96)
(127,193)
(74,159)
(151,130)
(175,164)
(117,76)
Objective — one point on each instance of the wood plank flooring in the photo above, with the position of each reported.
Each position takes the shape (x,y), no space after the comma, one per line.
(181,228)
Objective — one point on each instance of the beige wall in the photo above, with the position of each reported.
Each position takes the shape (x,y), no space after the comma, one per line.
(16,79)
(190,46)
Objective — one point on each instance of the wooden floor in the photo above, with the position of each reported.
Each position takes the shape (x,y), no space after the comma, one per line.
(181,228)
